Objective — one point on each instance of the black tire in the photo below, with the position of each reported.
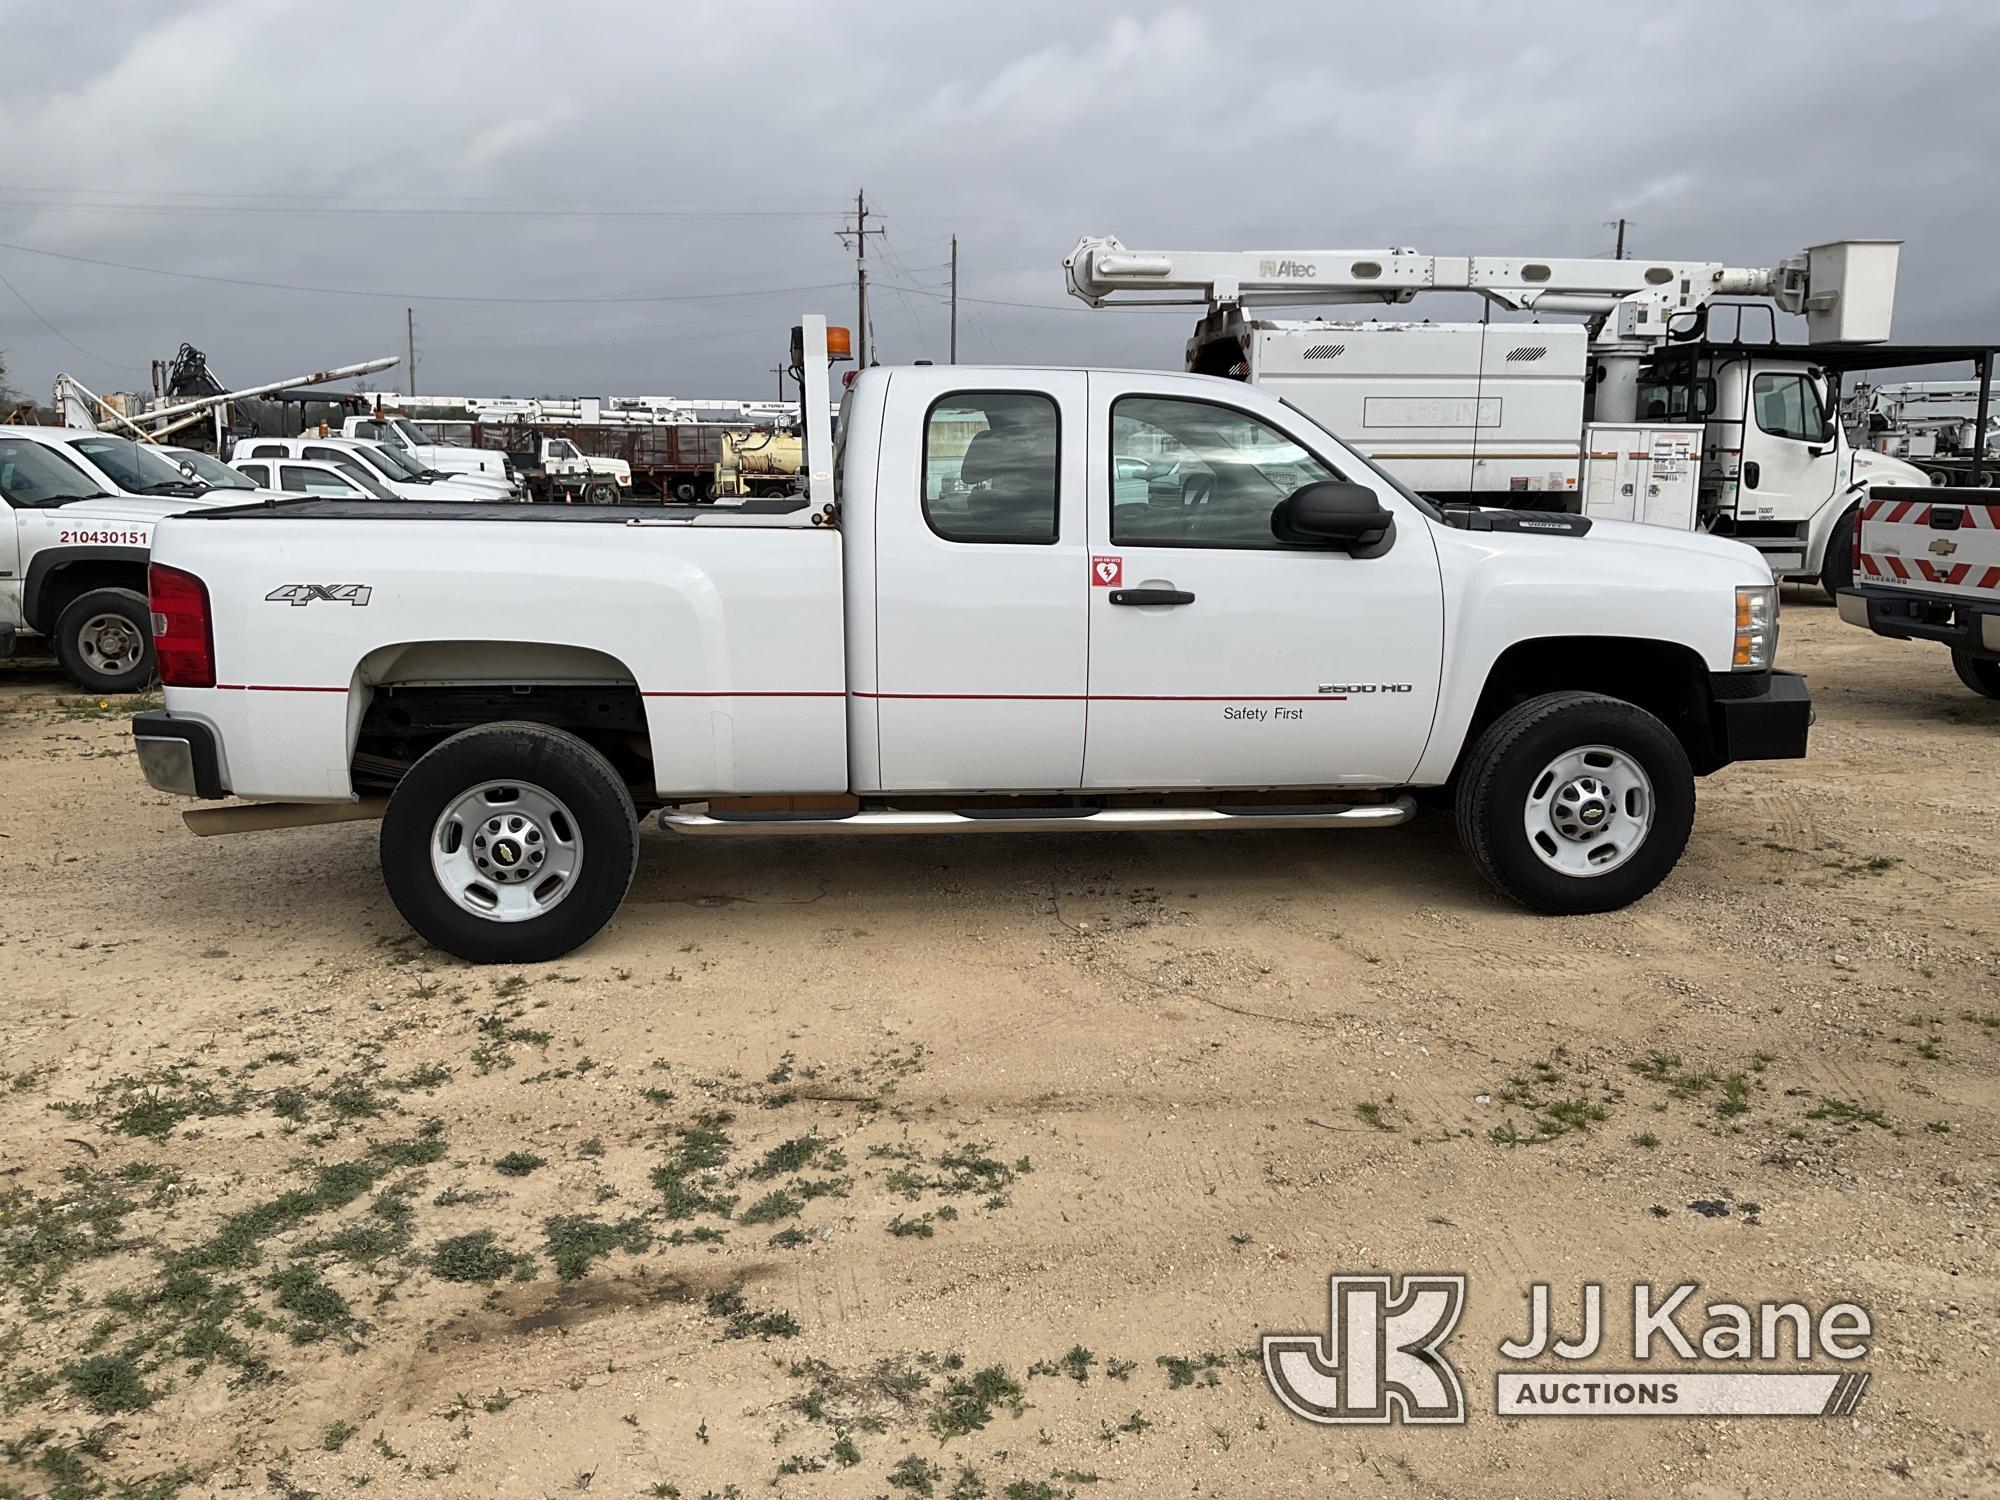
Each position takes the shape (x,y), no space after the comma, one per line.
(1977,673)
(1498,775)
(547,760)
(1836,570)
(93,621)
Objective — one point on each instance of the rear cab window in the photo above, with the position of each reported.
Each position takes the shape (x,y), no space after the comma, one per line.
(991,460)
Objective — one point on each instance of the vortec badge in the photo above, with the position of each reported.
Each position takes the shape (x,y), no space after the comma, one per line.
(332,593)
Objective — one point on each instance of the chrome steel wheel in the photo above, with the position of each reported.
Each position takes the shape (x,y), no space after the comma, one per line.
(507,850)
(1589,810)
(109,643)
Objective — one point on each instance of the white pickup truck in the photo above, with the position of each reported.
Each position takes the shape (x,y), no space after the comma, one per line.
(77,509)
(983,615)
(437,458)
(1927,567)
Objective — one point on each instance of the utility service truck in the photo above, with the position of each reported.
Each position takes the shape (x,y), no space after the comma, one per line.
(440,458)
(1631,415)
(980,615)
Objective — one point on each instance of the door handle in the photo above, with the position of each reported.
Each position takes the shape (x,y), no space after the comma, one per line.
(1751,474)
(1151,596)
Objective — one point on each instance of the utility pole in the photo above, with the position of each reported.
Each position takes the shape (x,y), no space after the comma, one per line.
(954,300)
(410,328)
(859,233)
(1619,254)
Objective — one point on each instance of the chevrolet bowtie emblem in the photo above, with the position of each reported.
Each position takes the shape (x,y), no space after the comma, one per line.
(1943,547)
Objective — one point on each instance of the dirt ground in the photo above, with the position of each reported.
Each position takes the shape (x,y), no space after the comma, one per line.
(977,1167)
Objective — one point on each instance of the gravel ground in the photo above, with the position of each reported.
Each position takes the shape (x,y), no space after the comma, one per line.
(978,1168)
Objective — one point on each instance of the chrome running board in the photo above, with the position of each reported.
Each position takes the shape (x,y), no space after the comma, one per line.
(1113,819)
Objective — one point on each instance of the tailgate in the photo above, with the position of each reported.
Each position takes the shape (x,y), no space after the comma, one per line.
(1936,541)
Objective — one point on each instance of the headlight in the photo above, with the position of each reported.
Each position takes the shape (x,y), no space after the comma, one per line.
(1756,627)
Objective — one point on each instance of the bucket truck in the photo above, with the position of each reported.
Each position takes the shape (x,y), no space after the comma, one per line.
(1632,414)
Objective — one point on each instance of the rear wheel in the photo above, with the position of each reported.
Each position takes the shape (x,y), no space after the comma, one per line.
(1977,673)
(104,641)
(1837,571)
(1573,803)
(509,843)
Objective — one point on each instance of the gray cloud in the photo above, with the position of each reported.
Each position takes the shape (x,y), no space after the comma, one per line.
(702,158)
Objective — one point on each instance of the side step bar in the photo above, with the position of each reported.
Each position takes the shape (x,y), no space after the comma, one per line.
(1118,819)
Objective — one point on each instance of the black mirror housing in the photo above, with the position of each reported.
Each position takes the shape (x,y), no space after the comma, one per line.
(1334,513)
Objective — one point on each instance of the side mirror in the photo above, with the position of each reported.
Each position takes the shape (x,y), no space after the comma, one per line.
(1334,513)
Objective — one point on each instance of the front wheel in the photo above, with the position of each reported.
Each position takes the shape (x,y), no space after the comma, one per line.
(509,843)
(104,641)
(1977,673)
(1574,803)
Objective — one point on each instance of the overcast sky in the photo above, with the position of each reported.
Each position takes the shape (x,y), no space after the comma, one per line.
(604,198)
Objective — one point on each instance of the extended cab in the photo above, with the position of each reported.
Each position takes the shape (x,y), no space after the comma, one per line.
(980,616)
(1927,567)
(77,510)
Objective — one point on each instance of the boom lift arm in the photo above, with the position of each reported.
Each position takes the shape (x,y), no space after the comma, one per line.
(1845,289)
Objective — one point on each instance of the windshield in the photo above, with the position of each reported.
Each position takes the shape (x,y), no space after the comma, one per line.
(131,467)
(410,435)
(209,469)
(390,461)
(33,475)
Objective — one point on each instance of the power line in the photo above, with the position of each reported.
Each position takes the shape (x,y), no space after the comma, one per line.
(112,363)
(347,291)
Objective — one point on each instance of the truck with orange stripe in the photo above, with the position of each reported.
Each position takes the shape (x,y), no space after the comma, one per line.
(1927,568)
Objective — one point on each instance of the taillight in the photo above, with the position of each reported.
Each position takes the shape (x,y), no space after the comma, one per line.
(183,638)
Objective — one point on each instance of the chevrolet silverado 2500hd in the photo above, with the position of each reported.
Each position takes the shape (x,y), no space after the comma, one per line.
(1013,599)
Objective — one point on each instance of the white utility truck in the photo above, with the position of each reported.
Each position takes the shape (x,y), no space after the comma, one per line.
(1631,415)
(438,458)
(77,510)
(981,615)
(368,464)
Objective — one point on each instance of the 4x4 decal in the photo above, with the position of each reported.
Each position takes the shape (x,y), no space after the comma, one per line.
(307,593)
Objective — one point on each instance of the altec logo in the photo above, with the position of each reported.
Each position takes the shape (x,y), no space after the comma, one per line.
(1272,270)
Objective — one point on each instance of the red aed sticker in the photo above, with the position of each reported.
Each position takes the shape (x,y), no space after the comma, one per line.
(1107,572)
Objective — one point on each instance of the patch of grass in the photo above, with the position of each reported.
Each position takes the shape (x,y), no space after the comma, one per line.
(1132,1426)
(787,1158)
(518,1163)
(1735,1098)
(336,1435)
(1647,1139)
(772,1207)
(577,1241)
(966,1404)
(917,1475)
(318,1308)
(1369,1112)
(43,1239)
(1076,1364)
(110,1384)
(1842,1112)
(474,1257)
(151,1106)
(1185,1370)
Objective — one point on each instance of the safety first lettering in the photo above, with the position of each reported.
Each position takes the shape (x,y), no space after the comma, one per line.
(131,538)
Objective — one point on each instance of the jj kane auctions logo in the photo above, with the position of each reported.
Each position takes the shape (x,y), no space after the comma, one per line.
(1382,1361)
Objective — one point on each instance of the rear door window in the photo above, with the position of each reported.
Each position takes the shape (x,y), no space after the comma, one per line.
(990,465)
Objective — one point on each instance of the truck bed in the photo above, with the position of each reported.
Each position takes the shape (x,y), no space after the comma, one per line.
(788,509)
